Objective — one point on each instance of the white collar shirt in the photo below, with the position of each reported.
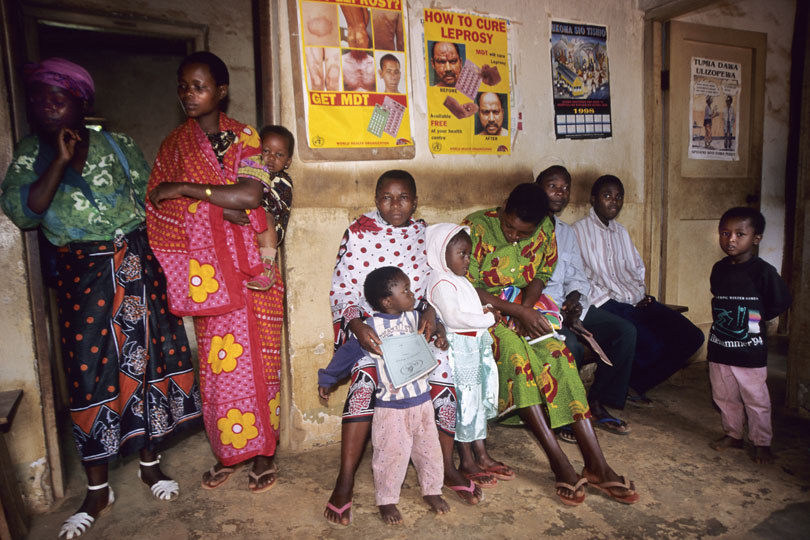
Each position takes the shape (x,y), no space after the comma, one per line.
(612,263)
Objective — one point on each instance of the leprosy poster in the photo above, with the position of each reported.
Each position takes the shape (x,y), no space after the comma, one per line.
(355,64)
(467,66)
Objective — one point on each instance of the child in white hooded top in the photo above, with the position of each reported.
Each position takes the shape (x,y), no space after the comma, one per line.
(466,320)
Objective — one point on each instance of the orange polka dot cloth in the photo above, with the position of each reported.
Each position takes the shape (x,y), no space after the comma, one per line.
(127,360)
(208,262)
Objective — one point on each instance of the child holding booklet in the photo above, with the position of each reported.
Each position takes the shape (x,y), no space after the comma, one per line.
(403,427)
(474,369)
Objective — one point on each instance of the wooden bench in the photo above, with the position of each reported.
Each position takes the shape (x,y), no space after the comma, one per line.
(13,519)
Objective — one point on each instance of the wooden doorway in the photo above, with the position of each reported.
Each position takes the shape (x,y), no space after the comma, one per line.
(133,61)
(688,195)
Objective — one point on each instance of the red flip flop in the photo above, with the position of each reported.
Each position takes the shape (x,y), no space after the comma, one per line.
(501,472)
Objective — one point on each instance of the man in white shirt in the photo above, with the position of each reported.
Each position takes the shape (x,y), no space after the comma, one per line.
(569,288)
(665,339)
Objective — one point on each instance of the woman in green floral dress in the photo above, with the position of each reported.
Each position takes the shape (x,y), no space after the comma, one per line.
(514,249)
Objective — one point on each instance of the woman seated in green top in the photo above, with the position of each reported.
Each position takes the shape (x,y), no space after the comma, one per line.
(126,358)
(514,249)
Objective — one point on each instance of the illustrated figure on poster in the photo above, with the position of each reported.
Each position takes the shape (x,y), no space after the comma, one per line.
(491,114)
(358,71)
(388,34)
(708,115)
(446,61)
(729,117)
(390,74)
(355,31)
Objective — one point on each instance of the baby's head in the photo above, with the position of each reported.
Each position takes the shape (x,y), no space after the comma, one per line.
(278,145)
(740,231)
(388,290)
(395,197)
(457,254)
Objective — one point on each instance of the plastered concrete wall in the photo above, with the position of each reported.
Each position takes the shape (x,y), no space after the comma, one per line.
(774,18)
(18,368)
(329,195)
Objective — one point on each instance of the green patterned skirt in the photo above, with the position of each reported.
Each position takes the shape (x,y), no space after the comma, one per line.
(544,373)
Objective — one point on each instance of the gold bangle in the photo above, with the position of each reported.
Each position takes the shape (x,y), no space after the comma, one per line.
(208,194)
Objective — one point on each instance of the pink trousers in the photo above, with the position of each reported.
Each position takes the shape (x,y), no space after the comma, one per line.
(401,435)
(741,392)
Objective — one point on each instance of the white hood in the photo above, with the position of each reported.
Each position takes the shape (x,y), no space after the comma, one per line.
(438,236)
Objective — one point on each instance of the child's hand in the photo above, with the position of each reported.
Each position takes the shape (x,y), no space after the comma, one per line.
(498,317)
(366,335)
(165,190)
(439,337)
(323,392)
(428,323)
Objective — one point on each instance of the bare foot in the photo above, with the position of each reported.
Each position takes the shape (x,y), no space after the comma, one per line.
(390,514)
(763,455)
(341,496)
(726,442)
(438,504)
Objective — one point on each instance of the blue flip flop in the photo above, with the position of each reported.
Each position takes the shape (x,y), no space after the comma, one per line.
(607,421)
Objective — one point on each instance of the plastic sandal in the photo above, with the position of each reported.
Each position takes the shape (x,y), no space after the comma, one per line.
(257,477)
(340,511)
(162,490)
(81,522)
(576,501)
(265,280)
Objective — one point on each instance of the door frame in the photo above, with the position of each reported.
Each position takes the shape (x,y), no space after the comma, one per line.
(20,43)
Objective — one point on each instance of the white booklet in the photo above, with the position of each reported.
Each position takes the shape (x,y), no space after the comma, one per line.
(407,358)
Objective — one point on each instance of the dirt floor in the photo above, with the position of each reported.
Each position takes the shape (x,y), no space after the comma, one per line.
(687,489)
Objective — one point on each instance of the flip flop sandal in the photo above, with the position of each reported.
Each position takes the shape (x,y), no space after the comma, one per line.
(576,501)
(339,511)
(566,434)
(227,472)
(604,487)
(81,522)
(468,489)
(480,475)
(607,421)
(256,477)
(501,472)
(640,400)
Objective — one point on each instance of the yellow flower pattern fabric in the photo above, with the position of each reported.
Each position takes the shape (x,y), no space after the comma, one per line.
(236,429)
(275,410)
(201,281)
(249,137)
(224,353)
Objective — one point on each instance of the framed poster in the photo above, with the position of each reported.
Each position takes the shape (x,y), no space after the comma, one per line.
(467,74)
(350,76)
(580,81)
